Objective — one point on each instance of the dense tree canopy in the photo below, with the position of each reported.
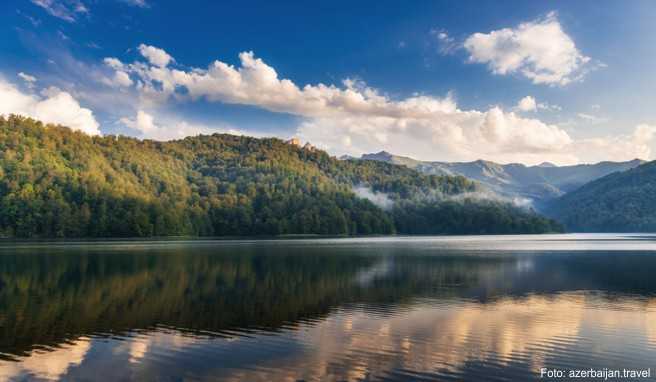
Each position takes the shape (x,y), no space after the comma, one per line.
(55,182)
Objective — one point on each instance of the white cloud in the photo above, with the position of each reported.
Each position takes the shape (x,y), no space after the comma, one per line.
(618,148)
(549,107)
(354,118)
(27,77)
(155,56)
(29,80)
(120,79)
(592,119)
(52,106)
(446,43)
(67,10)
(143,122)
(540,50)
(528,104)
(170,128)
(586,116)
(456,135)
(33,20)
(137,3)
(113,63)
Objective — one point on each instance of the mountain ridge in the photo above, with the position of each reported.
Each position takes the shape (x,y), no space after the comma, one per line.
(539,183)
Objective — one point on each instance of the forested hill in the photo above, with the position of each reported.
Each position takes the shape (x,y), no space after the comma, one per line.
(619,202)
(55,182)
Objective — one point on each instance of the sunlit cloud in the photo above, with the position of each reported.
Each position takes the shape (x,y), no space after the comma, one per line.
(539,50)
(52,105)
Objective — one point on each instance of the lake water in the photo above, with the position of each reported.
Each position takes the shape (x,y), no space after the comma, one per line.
(427,308)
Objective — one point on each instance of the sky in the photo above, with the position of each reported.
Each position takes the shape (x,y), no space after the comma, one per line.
(559,81)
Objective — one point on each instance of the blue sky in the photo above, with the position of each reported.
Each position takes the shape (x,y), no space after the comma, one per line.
(435,80)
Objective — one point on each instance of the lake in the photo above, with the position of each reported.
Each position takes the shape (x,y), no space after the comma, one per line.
(400,308)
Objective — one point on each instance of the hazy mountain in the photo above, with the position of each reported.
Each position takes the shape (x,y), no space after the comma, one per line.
(619,202)
(539,183)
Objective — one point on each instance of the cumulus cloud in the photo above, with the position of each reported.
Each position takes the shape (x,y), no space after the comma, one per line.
(143,122)
(67,10)
(51,106)
(354,118)
(539,50)
(156,56)
(122,79)
(119,79)
(527,104)
(113,63)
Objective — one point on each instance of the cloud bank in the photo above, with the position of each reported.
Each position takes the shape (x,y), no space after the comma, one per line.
(354,118)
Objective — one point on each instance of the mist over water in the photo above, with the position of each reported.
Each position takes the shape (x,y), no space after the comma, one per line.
(431,308)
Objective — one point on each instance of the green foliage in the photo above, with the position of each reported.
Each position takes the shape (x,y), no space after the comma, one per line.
(619,202)
(55,182)
(470,216)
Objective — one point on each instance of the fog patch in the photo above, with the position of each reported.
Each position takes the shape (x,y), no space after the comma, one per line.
(516,201)
(378,198)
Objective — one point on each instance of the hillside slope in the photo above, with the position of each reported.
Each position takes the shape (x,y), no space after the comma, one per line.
(539,183)
(620,202)
(58,183)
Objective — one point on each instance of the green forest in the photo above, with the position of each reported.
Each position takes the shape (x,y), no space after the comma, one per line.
(619,202)
(59,183)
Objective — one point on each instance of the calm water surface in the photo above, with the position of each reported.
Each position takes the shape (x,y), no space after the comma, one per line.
(433,308)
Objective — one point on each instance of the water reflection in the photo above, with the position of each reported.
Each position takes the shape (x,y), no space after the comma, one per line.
(309,311)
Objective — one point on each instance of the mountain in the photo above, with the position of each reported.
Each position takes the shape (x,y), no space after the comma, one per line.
(619,202)
(539,183)
(55,182)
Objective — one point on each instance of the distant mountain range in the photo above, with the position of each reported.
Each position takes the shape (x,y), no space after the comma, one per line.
(539,183)
(619,202)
